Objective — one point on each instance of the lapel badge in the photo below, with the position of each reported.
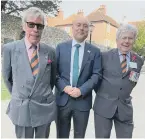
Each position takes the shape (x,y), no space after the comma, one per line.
(89,51)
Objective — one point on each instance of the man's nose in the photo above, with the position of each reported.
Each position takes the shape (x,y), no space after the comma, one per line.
(127,40)
(81,27)
(35,28)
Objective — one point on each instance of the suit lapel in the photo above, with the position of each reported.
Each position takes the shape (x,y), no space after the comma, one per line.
(68,48)
(23,57)
(116,61)
(87,52)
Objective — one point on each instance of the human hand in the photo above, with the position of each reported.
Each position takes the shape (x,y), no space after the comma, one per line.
(68,89)
(75,92)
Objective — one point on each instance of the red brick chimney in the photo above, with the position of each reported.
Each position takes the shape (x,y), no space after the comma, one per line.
(80,13)
(102,9)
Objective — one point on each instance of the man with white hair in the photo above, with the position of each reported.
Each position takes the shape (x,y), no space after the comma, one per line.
(121,69)
(29,74)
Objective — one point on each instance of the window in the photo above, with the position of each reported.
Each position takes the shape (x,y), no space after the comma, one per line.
(107,42)
(108,27)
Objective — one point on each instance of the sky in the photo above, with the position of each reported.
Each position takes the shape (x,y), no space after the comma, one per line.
(133,10)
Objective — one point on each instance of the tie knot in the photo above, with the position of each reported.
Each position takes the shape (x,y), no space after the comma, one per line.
(34,47)
(77,45)
(124,56)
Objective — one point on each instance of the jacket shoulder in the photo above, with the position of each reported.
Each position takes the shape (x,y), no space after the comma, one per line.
(11,45)
(47,47)
(108,52)
(64,43)
(93,47)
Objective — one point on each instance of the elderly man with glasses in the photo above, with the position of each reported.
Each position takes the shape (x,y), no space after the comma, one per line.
(29,74)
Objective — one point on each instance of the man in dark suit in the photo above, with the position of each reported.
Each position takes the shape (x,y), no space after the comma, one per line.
(29,71)
(121,69)
(79,69)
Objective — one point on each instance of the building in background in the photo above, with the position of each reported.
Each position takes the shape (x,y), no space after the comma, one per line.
(104,32)
(137,23)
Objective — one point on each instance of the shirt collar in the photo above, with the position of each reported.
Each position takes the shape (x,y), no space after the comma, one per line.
(28,44)
(128,54)
(74,42)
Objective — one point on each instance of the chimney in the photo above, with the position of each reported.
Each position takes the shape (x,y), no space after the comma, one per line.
(60,14)
(102,9)
(80,12)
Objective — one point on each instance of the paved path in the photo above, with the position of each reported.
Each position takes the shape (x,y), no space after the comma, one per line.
(7,129)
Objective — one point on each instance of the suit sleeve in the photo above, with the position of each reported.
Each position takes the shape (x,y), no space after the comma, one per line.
(93,81)
(142,63)
(60,84)
(6,67)
(53,69)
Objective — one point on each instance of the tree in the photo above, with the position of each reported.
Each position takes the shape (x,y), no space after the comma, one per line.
(139,46)
(16,7)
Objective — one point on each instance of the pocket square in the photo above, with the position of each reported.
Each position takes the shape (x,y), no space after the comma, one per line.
(49,61)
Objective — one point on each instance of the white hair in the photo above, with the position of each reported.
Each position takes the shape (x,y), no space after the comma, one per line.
(34,12)
(126,28)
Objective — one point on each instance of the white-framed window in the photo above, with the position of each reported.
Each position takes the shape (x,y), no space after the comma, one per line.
(108,27)
(107,42)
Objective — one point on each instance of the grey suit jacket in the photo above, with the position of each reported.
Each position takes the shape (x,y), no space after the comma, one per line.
(32,101)
(115,90)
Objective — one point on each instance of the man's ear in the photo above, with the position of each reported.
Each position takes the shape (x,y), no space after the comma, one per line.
(24,27)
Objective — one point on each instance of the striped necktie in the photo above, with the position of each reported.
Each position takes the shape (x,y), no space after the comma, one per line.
(124,64)
(76,66)
(34,62)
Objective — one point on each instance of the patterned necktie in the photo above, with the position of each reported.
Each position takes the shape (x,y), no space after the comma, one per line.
(124,64)
(34,62)
(76,66)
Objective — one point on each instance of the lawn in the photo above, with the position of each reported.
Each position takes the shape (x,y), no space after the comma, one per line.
(4,92)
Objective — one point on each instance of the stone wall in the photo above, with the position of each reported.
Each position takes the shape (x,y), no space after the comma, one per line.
(11,29)
(52,36)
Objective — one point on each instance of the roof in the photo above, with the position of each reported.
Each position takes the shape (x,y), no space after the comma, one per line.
(97,16)
(68,20)
(136,23)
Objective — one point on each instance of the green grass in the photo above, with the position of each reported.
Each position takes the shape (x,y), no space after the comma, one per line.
(4,92)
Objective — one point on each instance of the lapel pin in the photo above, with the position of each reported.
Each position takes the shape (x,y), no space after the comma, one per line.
(89,51)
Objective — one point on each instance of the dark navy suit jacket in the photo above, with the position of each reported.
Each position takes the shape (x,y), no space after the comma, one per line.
(90,74)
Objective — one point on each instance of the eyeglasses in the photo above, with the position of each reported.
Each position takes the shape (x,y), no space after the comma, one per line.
(32,25)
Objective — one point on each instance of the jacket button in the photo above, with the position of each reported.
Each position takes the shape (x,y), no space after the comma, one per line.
(120,88)
(22,85)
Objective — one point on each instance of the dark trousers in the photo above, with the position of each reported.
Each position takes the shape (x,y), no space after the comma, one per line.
(103,126)
(28,132)
(80,121)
